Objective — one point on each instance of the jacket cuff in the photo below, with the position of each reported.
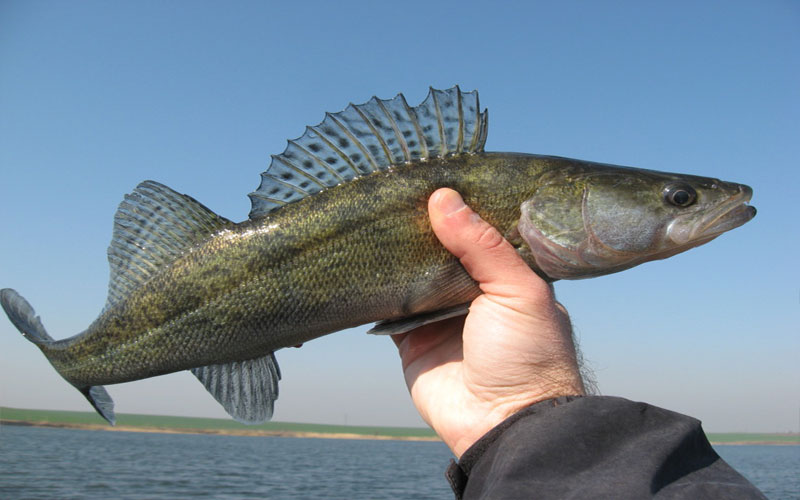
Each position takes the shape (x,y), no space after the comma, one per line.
(458,472)
(596,447)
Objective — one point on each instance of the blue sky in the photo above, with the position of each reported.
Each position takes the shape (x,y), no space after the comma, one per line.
(98,96)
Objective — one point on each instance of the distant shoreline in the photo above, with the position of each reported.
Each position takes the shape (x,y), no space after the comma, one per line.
(130,422)
(289,434)
(759,443)
(219,432)
(163,424)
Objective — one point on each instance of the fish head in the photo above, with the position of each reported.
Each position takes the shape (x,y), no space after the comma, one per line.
(605,219)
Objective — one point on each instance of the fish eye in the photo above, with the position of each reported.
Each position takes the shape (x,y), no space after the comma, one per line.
(680,195)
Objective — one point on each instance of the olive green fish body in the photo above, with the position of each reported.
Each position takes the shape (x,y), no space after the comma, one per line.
(366,253)
(339,236)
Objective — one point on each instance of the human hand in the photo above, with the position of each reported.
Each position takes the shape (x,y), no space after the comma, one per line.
(513,349)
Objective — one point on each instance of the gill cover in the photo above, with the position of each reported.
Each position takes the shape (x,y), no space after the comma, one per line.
(591,219)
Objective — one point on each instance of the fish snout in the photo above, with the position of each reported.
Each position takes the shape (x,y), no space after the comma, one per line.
(746,192)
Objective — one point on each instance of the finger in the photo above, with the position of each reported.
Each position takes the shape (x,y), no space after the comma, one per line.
(482,250)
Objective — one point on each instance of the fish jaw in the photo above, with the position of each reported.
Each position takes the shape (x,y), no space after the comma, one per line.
(607,219)
(735,212)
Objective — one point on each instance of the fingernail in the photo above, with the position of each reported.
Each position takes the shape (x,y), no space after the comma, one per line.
(449,201)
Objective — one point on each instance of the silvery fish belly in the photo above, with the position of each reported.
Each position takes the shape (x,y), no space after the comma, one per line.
(338,236)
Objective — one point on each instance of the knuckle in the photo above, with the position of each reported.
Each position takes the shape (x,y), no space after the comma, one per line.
(490,238)
(540,295)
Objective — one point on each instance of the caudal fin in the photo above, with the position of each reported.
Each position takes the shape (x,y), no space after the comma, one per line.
(23,316)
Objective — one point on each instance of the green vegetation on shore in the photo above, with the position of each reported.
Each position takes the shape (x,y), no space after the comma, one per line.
(56,417)
(753,438)
(218,425)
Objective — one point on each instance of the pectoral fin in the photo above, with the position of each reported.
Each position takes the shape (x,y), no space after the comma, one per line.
(446,293)
(407,324)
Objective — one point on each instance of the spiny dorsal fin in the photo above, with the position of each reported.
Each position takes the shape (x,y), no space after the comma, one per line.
(369,137)
(152,227)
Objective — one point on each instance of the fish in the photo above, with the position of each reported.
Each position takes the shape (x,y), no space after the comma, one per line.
(339,236)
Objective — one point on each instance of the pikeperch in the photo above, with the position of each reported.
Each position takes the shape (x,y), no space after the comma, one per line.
(338,236)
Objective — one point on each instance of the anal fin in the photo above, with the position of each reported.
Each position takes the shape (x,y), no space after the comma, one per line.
(246,389)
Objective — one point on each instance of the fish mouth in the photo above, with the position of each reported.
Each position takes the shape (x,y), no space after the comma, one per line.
(730,214)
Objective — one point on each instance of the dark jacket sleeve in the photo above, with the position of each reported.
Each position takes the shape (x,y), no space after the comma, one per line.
(596,447)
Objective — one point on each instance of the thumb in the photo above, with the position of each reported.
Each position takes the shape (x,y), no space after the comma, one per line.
(491,260)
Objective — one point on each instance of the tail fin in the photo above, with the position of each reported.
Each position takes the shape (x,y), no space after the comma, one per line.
(23,316)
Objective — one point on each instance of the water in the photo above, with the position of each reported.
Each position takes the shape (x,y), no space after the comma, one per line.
(774,469)
(75,464)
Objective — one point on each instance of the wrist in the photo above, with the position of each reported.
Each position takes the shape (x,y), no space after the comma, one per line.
(498,411)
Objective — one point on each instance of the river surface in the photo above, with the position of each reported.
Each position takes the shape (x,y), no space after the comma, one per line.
(75,464)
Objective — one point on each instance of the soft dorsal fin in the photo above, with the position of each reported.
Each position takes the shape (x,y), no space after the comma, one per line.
(152,227)
(369,137)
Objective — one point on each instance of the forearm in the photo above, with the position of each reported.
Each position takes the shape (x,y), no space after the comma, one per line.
(596,447)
